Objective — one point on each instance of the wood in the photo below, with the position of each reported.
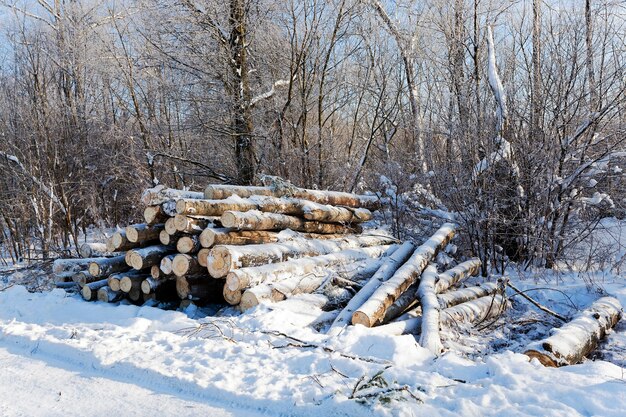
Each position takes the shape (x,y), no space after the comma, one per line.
(187,265)
(457,274)
(170,226)
(131,282)
(309,282)
(169,239)
(407,301)
(212,207)
(326,213)
(256,220)
(225,258)
(84,277)
(232,297)
(386,271)
(374,309)
(101,267)
(146,257)
(118,242)
(160,194)
(191,225)
(149,285)
(71,265)
(430,337)
(166,264)
(188,244)
(211,237)
(135,295)
(107,295)
(90,290)
(203,254)
(143,233)
(113,282)
(572,342)
(243,278)
(154,215)
(333,198)
(156,273)
(92,250)
(452,298)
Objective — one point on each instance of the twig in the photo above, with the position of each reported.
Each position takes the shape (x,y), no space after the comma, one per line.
(536,304)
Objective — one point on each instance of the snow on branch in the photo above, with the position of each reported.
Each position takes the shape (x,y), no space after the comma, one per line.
(495,83)
(270,93)
(48,191)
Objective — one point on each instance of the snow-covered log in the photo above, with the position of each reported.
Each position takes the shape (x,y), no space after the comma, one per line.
(333,198)
(84,277)
(102,267)
(192,225)
(211,237)
(90,290)
(188,244)
(107,295)
(71,265)
(154,215)
(118,242)
(143,232)
(452,298)
(576,339)
(407,301)
(131,282)
(146,257)
(374,309)
(160,194)
(453,276)
(429,338)
(243,278)
(308,282)
(150,285)
(386,271)
(326,213)
(225,258)
(473,311)
(184,264)
(92,250)
(232,297)
(256,220)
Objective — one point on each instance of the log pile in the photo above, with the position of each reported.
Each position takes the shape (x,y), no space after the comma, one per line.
(232,244)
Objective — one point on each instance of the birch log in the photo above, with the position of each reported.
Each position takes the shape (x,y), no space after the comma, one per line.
(143,233)
(184,264)
(386,271)
(457,274)
(188,244)
(107,295)
(166,264)
(243,278)
(211,237)
(232,297)
(203,255)
(119,242)
(71,265)
(374,309)
(192,225)
(90,290)
(101,267)
(92,250)
(430,338)
(167,239)
(572,342)
(334,198)
(452,298)
(256,220)
(326,213)
(146,257)
(84,277)
(225,258)
(170,226)
(160,194)
(154,214)
(131,282)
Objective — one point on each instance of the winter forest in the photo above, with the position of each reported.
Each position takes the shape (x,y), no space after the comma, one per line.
(501,123)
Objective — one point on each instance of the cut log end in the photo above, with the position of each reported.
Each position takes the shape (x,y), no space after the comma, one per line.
(542,357)
(248,300)
(219,262)
(94,269)
(361,318)
(229,219)
(232,297)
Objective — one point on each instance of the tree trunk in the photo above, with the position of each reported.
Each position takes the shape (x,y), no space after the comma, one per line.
(375,307)
(430,338)
(211,237)
(452,298)
(571,343)
(256,220)
(457,274)
(160,194)
(170,226)
(386,271)
(166,264)
(101,267)
(143,233)
(225,258)
(146,257)
(131,282)
(119,242)
(107,295)
(84,277)
(187,265)
(90,290)
(92,250)
(154,214)
(188,244)
(192,225)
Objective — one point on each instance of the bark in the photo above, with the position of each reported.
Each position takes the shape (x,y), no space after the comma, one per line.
(154,214)
(452,298)
(160,194)
(101,267)
(572,342)
(243,278)
(191,225)
(107,295)
(457,274)
(225,258)
(386,271)
(430,337)
(92,250)
(213,207)
(326,213)
(256,220)
(119,242)
(333,198)
(167,239)
(84,277)
(211,237)
(143,233)
(187,265)
(188,244)
(71,265)
(90,290)
(113,281)
(132,282)
(148,256)
(374,309)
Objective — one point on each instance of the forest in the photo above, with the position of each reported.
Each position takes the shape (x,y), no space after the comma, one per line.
(508,116)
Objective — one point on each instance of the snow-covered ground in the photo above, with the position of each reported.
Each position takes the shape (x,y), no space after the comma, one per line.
(60,355)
